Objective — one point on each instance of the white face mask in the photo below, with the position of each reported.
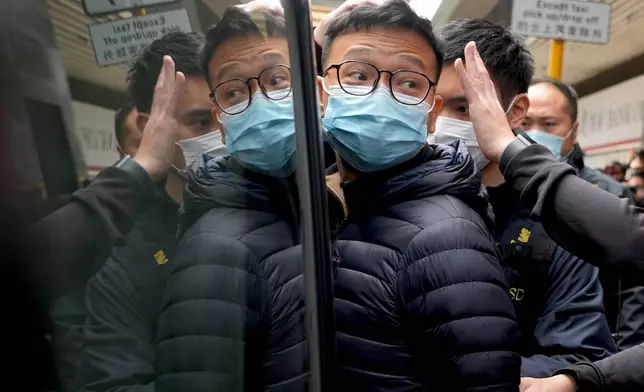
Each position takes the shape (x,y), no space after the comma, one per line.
(193,148)
(449,129)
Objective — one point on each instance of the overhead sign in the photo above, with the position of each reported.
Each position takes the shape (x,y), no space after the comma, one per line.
(100,7)
(120,41)
(564,19)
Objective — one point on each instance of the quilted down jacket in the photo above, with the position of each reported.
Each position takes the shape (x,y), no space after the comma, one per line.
(232,310)
(420,297)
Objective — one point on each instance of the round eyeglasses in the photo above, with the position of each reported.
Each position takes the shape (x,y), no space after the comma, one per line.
(234,96)
(360,78)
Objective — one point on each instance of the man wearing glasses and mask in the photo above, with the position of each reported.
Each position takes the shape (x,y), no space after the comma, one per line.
(233,310)
(420,298)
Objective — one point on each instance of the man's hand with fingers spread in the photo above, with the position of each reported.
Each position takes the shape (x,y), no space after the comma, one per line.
(318,33)
(156,151)
(492,129)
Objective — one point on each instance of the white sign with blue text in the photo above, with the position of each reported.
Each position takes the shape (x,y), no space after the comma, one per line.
(567,20)
(120,41)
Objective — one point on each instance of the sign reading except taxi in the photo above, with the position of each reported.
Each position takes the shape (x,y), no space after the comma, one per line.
(562,19)
(120,41)
(101,7)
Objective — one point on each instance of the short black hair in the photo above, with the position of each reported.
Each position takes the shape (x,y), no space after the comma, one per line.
(507,59)
(144,71)
(391,14)
(238,23)
(119,123)
(567,90)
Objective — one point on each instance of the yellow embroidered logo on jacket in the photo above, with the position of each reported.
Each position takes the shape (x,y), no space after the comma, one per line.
(524,235)
(160,257)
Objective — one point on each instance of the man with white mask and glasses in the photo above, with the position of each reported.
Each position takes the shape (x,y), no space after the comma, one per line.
(123,299)
(557,297)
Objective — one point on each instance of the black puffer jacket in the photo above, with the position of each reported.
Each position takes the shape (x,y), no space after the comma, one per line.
(421,302)
(232,310)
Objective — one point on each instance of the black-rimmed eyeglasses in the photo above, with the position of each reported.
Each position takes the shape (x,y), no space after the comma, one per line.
(234,96)
(360,78)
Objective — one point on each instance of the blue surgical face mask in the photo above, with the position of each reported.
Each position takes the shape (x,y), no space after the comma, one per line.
(554,143)
(262,138)
(374,132)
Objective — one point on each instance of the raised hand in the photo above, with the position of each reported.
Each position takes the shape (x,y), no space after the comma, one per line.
(492,129)
(156,152)
(263,6)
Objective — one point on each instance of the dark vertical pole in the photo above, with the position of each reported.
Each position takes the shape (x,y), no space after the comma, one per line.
(316,237)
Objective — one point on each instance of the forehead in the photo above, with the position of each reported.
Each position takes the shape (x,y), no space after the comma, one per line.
(246,56)
(449,85)
(386,48)
(545,100)
(195,95)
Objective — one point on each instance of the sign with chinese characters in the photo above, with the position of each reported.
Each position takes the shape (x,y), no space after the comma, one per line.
(119,41)
(101,7)
(563,19)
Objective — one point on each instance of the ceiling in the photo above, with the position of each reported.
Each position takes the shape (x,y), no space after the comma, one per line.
(72,38)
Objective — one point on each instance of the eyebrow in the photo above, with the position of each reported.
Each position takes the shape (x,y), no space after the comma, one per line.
(457,99)
(198,113)
(417,61)
(274,58)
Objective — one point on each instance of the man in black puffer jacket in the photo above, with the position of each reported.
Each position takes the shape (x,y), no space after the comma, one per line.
(420,298)
(233,309)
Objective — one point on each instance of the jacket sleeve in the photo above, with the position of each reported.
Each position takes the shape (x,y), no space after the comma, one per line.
(621,372)
(73,242)
(572,327)
(631,318)
(212,299)
(118,352)
(568,208)
(456,305)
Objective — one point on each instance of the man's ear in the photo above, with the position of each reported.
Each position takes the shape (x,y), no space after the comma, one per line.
(322,96)
(519,110)
(142,120)
(575,131)
(433,115)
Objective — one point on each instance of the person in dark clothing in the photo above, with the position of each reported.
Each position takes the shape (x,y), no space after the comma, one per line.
(551,191)
(552,121)
(420,298)
(68,312)
(233,309)
(123,299)
(546,282)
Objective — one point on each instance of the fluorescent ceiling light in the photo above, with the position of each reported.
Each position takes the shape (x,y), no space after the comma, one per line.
(425,8)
